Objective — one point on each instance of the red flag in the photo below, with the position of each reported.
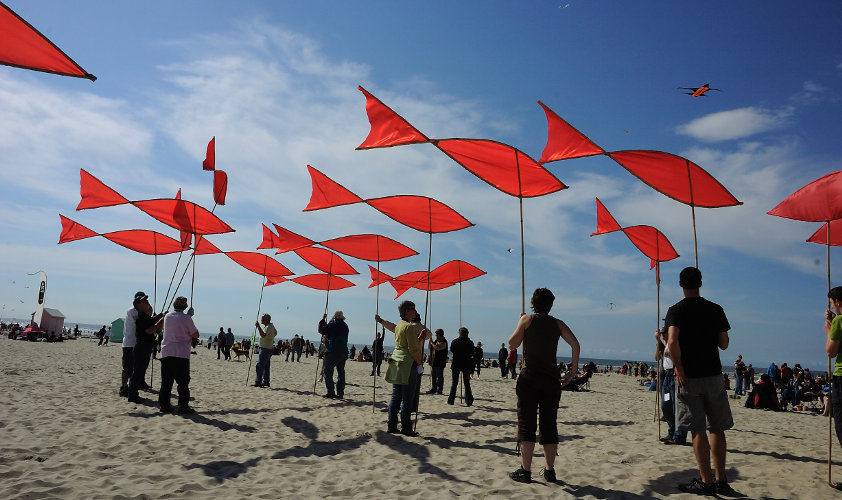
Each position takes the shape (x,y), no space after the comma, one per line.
(210,156)
(25,47)
(676,177)
(287,240)
(323,281)
(820,236)
(650,241)
(325,261)
(269,239)
(818,201)
(387,127)
(177,213)
(259,263)
(138,240)
(503,166)
(95,194)
(378,277)
(370,247)
(327,193)
(418,212)
(220,186)
(564,141)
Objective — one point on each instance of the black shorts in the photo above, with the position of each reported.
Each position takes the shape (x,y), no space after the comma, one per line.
(537,394)
(128,360)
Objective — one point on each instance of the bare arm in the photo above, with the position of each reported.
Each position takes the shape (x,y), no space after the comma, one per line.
(386,324)
(517,337)
(723,340)
(658,343)
(831,347)
(675,354)
(571,339)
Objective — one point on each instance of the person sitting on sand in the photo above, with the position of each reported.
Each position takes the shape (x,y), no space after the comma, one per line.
(764,396)
(539,384)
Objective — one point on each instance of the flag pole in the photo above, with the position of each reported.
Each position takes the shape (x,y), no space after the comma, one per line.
(327,301)
(829,378)
(417,396)
(375,354)
(254,333)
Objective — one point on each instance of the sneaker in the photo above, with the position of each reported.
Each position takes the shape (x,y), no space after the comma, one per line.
(549,475)
(725,489)
(521,475)
(668,441)
(124,391)
(165,408)
(409,433)
(329,396)
(392,430)
(697,487)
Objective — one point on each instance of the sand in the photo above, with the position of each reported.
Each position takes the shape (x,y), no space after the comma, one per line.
(65,433)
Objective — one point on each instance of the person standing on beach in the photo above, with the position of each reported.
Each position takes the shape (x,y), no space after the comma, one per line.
(101,335)
(439,347)
(179,333)
(833,330)
(129,342)
(668,389)
(146,327)
(749,379)
(511,363)
(229,343)
(539,385)
(335,337)
(462,365)
(478,357)
(502,354)
(405,366)
(267,347)
(377,352)
(739,373)
(698,329)
(220,343)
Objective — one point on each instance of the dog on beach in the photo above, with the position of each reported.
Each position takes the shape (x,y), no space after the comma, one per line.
(241,352)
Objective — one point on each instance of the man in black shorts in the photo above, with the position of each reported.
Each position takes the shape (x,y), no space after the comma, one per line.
(698,328)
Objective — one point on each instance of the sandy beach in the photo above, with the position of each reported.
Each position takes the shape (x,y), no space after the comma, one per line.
(67,434)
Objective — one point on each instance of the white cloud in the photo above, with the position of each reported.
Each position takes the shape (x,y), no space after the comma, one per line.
(735,124)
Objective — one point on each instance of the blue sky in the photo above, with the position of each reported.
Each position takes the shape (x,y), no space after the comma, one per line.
(276,83)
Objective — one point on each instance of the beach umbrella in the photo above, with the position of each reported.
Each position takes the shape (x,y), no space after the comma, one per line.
(25,47)
(669,174)
(653,244)
(818,201)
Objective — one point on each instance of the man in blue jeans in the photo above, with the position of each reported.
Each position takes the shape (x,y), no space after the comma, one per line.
(335,338)
(668,390)
(267,347)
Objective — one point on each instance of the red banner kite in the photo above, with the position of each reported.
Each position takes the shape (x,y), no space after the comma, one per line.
(325,261)
(323,282)
(818,201)
(23,46)
(387,127)
(140,240)
(418,212)
(650,241)
(180,214)
(210,156)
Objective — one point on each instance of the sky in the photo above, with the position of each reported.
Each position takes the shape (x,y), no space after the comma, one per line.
(276,84)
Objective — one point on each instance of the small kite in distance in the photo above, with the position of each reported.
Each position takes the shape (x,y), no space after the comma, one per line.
(698,91)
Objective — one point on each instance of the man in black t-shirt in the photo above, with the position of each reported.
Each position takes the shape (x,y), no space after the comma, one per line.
(698,329)
(463,364)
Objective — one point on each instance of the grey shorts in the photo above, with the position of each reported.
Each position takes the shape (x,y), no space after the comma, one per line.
(703,404)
